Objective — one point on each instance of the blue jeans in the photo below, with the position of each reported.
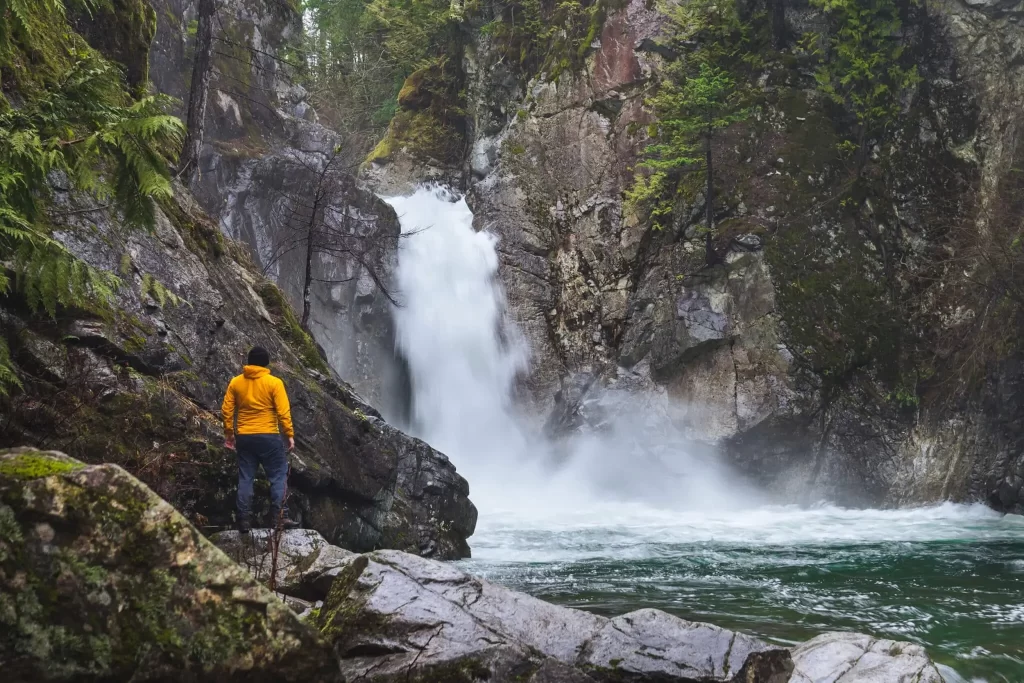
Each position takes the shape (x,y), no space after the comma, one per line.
(261,449)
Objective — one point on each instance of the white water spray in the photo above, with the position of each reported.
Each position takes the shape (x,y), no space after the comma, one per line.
(637,516)
(464,357)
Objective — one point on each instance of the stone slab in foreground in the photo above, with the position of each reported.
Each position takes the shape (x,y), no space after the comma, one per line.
(397,617)
(858,658)
(393,615)
(306,562)
(100,579)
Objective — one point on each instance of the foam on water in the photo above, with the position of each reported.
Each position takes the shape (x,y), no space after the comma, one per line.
(640,531)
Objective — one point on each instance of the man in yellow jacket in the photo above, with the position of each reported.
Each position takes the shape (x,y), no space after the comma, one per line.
(259,402)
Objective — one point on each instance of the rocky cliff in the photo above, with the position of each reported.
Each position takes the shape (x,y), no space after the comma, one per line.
(265,155)
(137,376)
(826,352)
(144,389)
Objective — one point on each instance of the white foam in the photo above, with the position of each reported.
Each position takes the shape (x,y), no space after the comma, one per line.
(464,357)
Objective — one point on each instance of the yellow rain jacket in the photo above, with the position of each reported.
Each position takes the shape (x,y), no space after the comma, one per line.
(261,402)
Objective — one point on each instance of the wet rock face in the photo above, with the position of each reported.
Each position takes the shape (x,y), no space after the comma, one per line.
(102,580)
(305,563)
(396,617)
(553,196)
(391,615)
(261,163)
(266,203)
(857,658)
(597,293)
(146,391)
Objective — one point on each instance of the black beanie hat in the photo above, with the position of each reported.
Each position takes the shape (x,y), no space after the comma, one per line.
(259,356)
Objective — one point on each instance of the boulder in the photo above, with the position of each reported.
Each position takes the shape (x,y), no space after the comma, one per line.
(857,658)
(100,579)
(391,615)
(306,563)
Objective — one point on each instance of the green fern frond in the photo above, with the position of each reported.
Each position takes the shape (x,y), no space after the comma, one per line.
(85,127)
(8,377)
(50,277)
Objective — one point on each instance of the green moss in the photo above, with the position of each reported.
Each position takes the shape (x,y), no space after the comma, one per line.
(41,50)
(29,466)
(288,325)
(201,236)
(430,123)
(422,134)
(381,152)
(122,31)
(135,604)
(342,615)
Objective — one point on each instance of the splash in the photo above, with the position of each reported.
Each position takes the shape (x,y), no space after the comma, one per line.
(464,357)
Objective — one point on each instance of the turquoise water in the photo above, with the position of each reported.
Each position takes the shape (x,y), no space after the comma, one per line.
(950,577)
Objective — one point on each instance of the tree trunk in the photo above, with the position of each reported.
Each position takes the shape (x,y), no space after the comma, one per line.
(202,70)
(711,258)
(778,9)
(862,148)
(307,282)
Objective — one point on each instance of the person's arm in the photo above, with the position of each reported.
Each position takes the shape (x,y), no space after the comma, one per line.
(284,413)
(227,410)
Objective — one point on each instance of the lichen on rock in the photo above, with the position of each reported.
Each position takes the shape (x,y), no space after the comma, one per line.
(100,578)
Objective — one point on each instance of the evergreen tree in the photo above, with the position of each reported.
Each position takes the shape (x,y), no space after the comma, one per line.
(690,115)
(861,63)
(699,96)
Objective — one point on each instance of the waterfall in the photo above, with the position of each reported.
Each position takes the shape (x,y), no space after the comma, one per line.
(632,514)
(464,357)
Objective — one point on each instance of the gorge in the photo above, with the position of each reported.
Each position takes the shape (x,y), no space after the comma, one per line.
(636,514)
(787,408)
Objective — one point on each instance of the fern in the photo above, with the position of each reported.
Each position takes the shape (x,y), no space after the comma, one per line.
(50,277)
(81,125)
(17,19)
(8,378)
(89,131)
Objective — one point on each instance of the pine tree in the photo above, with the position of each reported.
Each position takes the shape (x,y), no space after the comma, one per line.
(690,116)
(697,98)
(862,67)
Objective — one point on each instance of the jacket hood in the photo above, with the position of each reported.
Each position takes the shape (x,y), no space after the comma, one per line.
(255,371)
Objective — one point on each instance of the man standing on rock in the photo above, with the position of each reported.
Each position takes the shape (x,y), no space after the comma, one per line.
(260,403)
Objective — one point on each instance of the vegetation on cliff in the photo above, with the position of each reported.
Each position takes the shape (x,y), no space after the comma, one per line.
(389,73)
(359,56)
(700,92)
(66,117)
(811,150)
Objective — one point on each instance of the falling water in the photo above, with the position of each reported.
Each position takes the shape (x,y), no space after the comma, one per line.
(638,516)
(464,358)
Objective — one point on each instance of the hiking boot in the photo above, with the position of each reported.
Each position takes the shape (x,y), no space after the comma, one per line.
(282,521)
(244,526)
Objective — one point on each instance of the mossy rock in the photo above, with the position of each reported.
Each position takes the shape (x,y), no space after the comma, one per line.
(100,579)
(121,31)
(424,135)
(288,325)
